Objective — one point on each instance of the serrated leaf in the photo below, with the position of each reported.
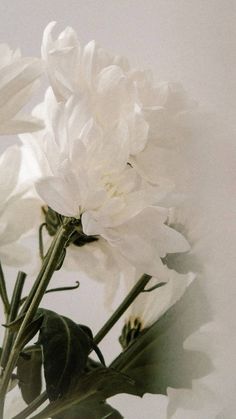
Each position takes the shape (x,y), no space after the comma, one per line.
(29,373)
(157,359)
(66,347)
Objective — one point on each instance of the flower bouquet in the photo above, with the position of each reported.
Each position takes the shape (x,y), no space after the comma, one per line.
(95,182)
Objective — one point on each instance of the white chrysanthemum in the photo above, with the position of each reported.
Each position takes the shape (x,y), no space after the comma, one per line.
(87,157)
(85,175)
(149,306)
(17,211)
(157,117)
(18,80)
(101,80)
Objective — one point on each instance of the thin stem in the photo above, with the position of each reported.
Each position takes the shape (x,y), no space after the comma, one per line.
(41,249)
(159,285)
(14,307)
(135,291)
(3,292)
(69,288)
(55,252)
(38,279)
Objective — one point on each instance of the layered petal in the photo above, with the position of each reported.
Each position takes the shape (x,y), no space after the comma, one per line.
(19,79)
(19,212)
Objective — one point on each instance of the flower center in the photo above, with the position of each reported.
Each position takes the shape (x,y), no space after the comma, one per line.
(131,330)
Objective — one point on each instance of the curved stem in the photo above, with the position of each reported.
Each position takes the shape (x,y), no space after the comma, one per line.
(69,288)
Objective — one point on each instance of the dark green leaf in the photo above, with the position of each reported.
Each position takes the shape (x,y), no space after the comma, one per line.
(157,360)
(29,366)
(53,220)
(15,324)
(90,410)
(93,387)
(66,347)
(31,329)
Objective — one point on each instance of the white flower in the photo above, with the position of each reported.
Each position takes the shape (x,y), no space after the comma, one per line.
(85,175)
(149,306)
(17,211)
(101,80)
(168,111)
(156,115)
(18,80)
(85,160)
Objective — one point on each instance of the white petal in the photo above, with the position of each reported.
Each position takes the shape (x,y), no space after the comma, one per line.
(20,216)
(58,195)
(16,86)
(94,59)
(20,125)
(138,127)
(14,254)
(9,171)
(62,58)
(115,92)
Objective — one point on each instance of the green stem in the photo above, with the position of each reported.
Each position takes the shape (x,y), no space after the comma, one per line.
(135,291)
(56,249)
(14,307)
(3,292)
(35,286)
(70,288)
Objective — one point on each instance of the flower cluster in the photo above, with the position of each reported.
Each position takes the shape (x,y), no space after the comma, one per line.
(102,157)
(104,151)
(97,167)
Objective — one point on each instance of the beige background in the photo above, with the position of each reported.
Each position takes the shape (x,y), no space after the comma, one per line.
(191,41)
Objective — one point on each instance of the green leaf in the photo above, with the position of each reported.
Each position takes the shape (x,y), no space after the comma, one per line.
(92,387)
(94,409)
(66,347)
(29,373)
(90,410)
(31,329)
(157,360)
